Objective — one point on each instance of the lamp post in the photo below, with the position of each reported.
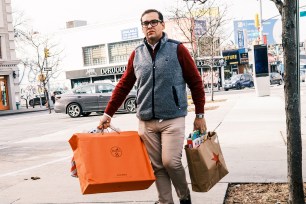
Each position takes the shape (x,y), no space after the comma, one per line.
(260,23)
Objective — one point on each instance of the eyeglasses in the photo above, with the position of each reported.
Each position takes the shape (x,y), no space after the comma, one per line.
(153,23)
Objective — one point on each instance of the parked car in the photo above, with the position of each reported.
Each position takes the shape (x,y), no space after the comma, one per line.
(36,100)
(303,74)
(276,78)
(93,97)
(239,81)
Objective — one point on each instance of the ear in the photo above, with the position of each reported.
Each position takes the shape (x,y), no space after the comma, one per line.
(164,25)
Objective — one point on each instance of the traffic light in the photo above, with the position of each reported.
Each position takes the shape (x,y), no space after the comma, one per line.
(46,51)
(256,21)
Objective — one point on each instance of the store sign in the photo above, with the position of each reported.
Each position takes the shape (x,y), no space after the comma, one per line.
(93,72)
(231,56)
(240,39)
(128,34)
(113,70)
(205,63)
(244,58)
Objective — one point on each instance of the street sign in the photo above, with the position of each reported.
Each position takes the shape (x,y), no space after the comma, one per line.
(47,69)
(302,13)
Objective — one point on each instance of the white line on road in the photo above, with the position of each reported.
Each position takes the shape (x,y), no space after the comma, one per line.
(34,167)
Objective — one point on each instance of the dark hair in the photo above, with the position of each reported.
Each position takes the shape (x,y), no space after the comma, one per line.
(160,15)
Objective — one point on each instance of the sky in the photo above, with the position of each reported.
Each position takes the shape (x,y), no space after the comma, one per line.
(51,15)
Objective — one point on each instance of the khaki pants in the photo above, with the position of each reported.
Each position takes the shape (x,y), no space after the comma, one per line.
(164,141)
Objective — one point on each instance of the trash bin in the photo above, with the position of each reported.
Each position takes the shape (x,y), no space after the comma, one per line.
(17,105)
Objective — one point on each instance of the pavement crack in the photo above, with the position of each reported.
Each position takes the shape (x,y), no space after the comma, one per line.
(15,201)
(283,137)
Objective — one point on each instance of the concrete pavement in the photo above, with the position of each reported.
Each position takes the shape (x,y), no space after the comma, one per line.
(252,134)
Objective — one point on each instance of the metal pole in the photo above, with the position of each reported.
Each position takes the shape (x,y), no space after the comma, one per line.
(48,85)
(261,21)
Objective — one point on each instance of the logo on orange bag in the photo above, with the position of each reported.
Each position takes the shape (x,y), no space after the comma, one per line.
(116,151)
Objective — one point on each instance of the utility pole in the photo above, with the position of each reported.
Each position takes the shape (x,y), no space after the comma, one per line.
(47,54)
(260,23)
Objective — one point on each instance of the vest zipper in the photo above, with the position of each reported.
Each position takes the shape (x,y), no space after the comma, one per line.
(153,110)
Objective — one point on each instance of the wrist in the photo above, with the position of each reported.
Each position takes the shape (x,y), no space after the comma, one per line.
(107,115)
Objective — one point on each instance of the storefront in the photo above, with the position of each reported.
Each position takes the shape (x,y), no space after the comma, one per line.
(4,96)
(237,62)
(85,76)
(211,76)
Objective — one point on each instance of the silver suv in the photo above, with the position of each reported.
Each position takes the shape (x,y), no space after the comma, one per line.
(93,97)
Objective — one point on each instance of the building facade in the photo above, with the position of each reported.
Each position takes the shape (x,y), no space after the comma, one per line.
(101,52)
(9,88)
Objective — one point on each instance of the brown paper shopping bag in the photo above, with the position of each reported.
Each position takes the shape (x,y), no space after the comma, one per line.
(111,162)
(206,164)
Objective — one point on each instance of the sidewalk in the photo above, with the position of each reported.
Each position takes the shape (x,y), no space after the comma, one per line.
(252,134)
(23,110)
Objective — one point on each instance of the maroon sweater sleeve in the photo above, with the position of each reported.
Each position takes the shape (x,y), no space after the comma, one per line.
(123,88)
(192,78)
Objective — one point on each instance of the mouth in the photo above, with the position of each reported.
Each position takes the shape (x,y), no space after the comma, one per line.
(150,32)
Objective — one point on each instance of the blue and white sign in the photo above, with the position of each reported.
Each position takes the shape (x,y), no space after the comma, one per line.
(240,39)
(129,34)
(199,27)
(252,32)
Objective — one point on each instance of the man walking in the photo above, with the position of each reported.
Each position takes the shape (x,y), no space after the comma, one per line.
(161,68)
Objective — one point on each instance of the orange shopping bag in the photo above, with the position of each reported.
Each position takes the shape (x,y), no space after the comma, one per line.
(111,162)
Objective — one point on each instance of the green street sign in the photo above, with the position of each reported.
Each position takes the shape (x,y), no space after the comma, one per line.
(302,13)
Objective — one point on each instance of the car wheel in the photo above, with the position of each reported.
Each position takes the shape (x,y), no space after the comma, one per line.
(74,110)
(226,89)
(86,114)
(130,105)
(31,103)
(251,84)
(280,82)
(238,86)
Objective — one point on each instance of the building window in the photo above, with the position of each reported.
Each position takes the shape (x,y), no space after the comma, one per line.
(94,55)
(120,52)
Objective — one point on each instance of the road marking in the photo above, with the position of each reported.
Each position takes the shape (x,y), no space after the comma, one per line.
(34,167)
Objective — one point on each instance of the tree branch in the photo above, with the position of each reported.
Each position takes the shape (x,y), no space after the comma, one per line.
(279,5)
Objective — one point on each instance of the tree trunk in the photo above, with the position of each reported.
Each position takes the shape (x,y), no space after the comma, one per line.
(292,103)
(212,84)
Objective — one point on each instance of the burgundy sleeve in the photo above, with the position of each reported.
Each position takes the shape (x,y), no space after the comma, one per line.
(192,78)
(123,88)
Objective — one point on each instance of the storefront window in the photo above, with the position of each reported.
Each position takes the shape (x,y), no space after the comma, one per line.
(104,78)
(4,105)
(78,82)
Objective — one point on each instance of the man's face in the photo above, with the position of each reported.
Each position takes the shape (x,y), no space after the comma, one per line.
(152,33)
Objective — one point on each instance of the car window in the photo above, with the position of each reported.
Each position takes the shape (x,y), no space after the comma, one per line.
(85,90)
(105,88)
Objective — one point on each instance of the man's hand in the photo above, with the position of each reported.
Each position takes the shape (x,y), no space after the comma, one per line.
(104,122)
(200,124)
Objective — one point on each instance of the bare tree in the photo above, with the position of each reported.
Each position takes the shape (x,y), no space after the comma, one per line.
(203,27)
(41,56)
(288,11)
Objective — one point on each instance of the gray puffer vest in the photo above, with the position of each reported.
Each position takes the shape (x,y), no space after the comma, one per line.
(161,88)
